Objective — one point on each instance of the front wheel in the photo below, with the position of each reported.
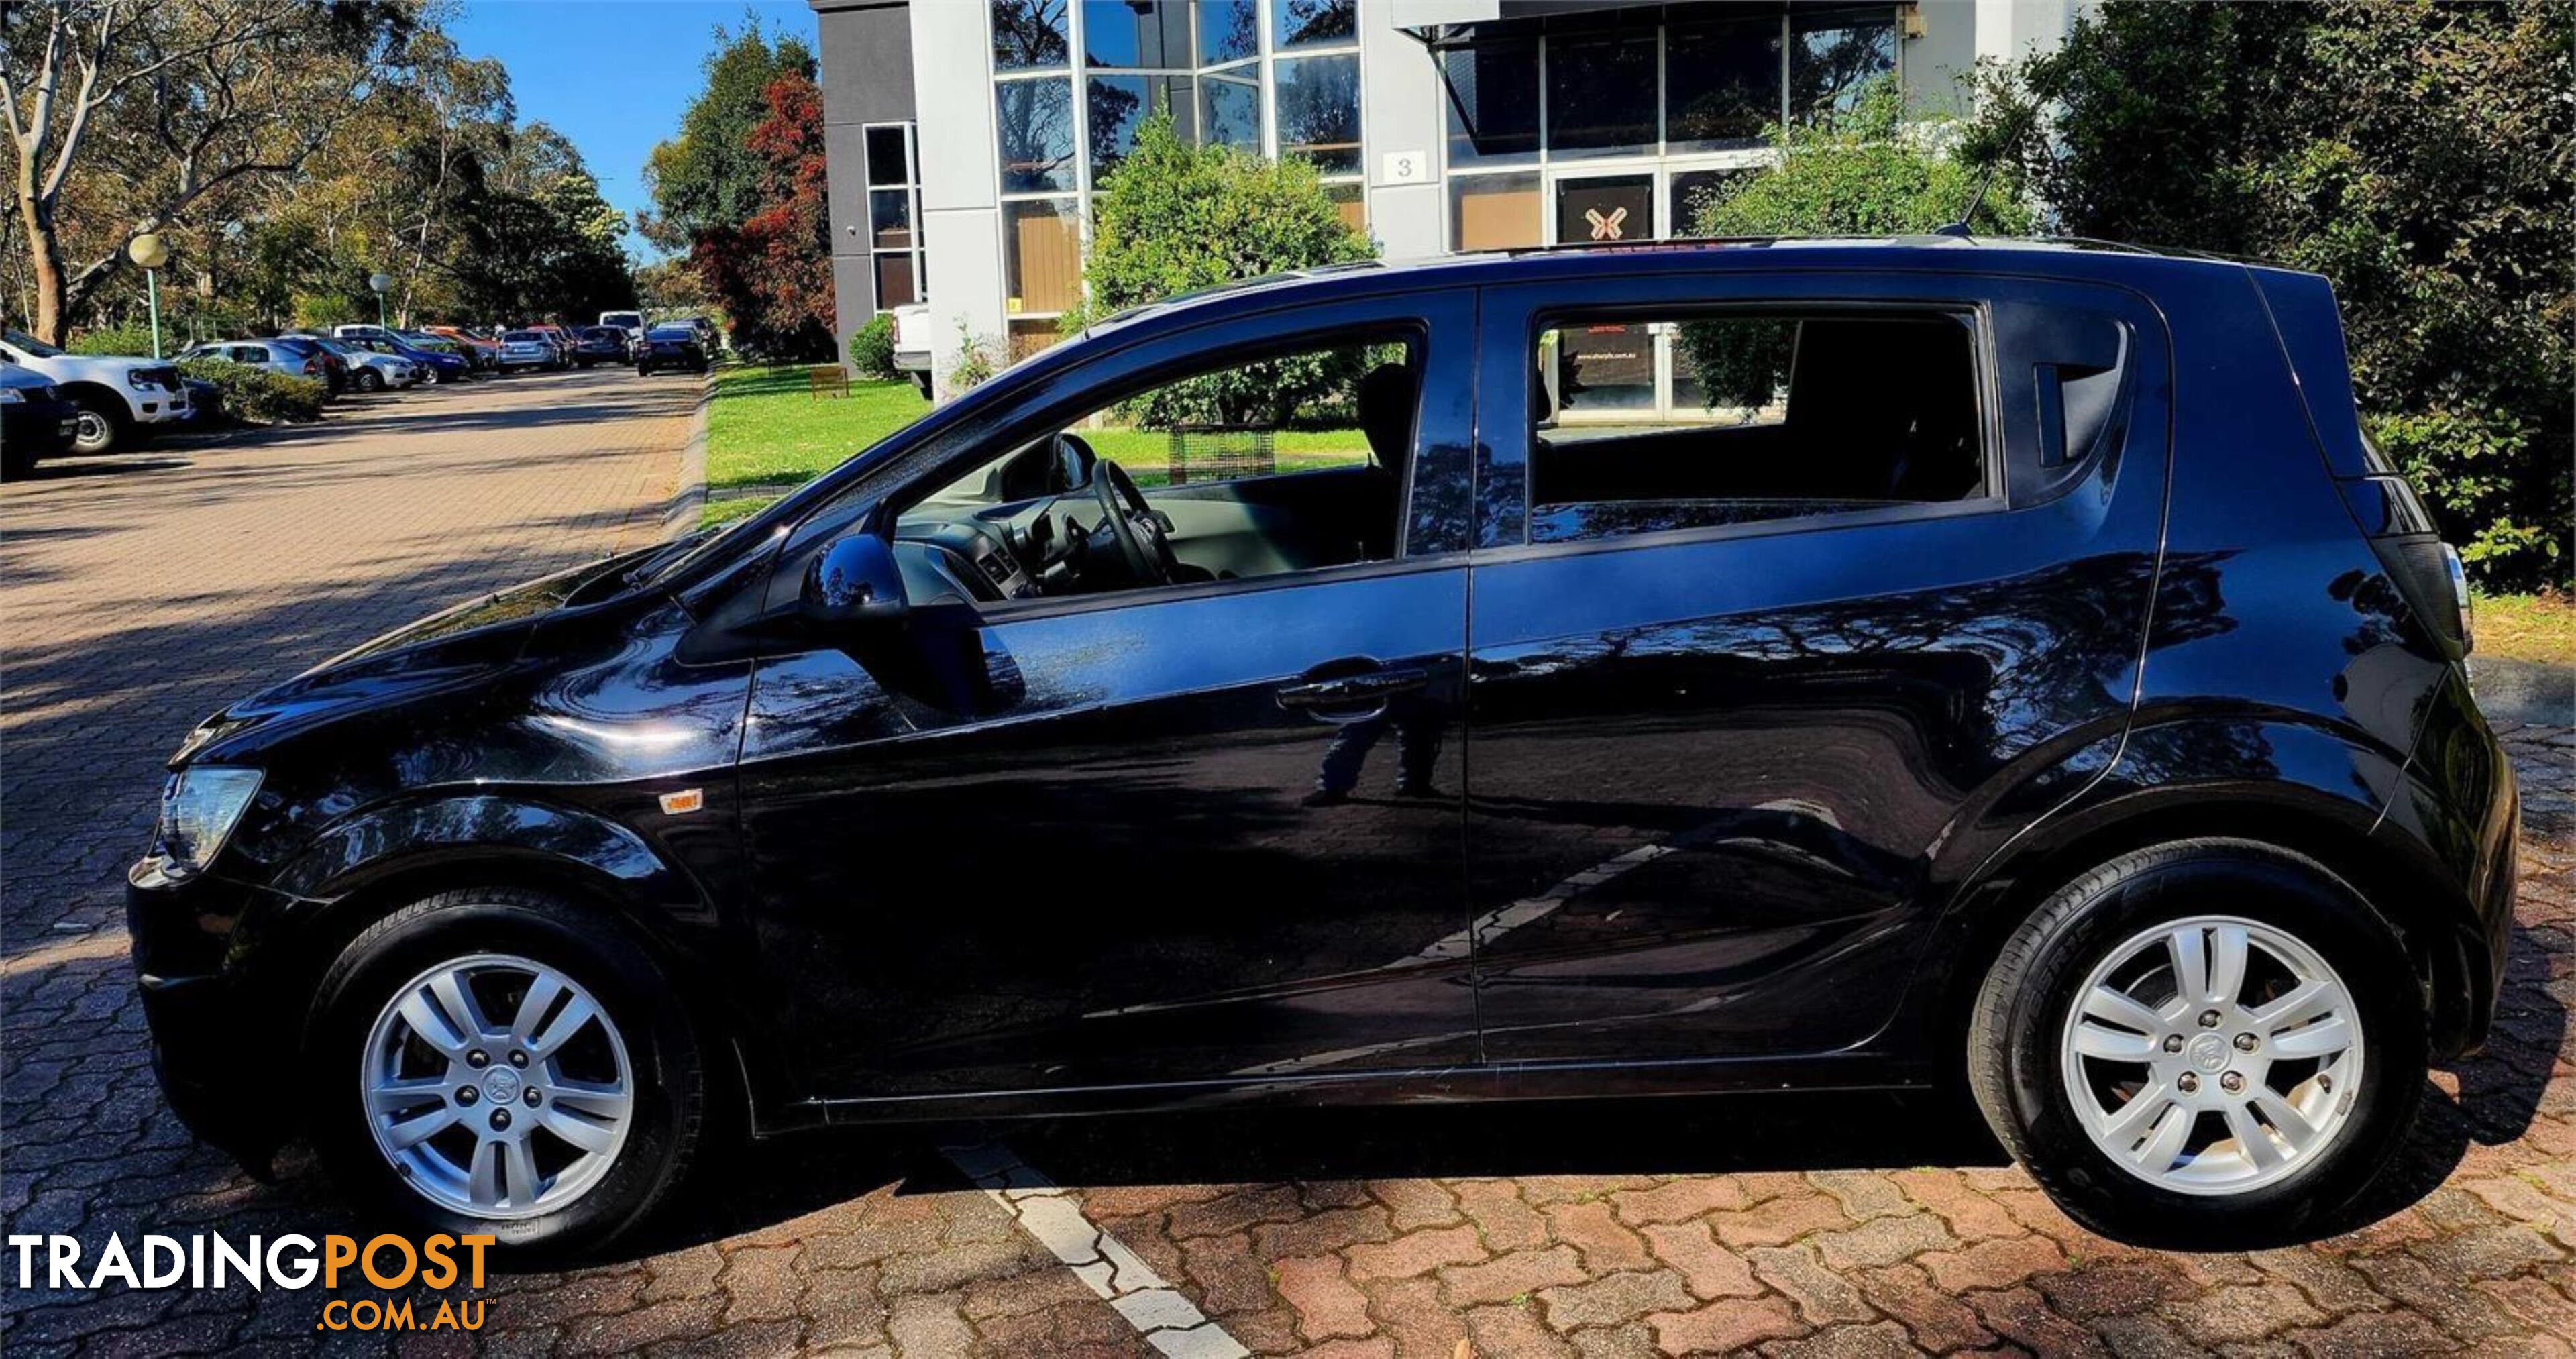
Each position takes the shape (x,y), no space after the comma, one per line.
(369,380)
(101,426)
(505,1065)
(2202,1043)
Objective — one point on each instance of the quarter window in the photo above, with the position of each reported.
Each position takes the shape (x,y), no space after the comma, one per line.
(1765,415)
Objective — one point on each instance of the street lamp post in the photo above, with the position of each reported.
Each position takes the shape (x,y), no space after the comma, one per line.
(150,251)
(380,283)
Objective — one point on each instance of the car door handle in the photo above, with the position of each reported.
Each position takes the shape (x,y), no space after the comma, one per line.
(1352,691)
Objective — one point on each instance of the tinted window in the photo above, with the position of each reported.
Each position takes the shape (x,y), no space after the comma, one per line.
(1766,416)
(1601,94)
(1313,23)
(1036,132)
(1319,111)
(1146,33)
(1028,35)
(1229,30)
(1119,104)
(1493,103)
(1230,110)
(1833,59)
(1721,84)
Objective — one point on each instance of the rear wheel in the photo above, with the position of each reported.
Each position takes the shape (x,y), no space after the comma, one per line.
(508,1066)
(2200,1043)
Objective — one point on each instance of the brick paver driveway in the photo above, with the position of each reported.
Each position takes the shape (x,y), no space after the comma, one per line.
(137,597)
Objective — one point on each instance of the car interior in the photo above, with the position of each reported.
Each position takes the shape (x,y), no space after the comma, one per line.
(1799,415)
(1056,517)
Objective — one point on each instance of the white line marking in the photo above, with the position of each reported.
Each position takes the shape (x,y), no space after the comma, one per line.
(1169,1321)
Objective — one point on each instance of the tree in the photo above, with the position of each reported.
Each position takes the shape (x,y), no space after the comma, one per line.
(1174,218)
(708,178)
(144,113)
(2420,156)
(1869,170)
(773,273)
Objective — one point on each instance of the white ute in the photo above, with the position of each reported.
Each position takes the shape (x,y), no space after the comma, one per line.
(117,396)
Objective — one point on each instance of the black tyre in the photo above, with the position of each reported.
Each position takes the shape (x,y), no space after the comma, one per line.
(103,426)
(2206,1043)
(501,1061)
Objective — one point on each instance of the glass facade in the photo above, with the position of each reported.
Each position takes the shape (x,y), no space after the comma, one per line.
(1266,77)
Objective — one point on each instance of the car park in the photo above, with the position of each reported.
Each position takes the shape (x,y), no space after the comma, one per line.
(528,349)
(669,347)
(599,344)
(120,398)
(36,421)
(1998,665)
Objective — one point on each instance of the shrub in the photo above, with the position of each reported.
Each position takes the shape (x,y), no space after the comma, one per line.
(872,347)
(1175,218)
(259,395)
(122,341)
(979,357)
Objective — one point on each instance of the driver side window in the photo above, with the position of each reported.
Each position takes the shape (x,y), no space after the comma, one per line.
(1290,461)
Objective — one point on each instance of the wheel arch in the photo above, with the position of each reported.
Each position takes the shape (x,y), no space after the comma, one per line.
(2339,832)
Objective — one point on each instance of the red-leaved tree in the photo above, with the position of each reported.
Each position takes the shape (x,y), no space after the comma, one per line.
(773,271)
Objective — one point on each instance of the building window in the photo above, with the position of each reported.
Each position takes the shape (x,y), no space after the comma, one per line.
(1229,30)
(1029,35)
(1319,111)
(894,214)
(1137,34)
(1721,85)
(1119,104)
(1042,254)
(1313,23)
(1693,191)
(1035,128)
(1230,109)
(1833,58)
(1493,212)
(1601,94)
(1493,104)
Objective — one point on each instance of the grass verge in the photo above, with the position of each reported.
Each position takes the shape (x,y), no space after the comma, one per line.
(2528,627)
(766,428)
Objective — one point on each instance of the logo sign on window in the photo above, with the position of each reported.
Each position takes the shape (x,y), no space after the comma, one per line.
(1605,228)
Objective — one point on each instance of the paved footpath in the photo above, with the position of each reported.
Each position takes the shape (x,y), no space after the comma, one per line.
(137,593)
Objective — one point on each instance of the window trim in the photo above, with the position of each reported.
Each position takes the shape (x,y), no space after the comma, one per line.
(1992,498)
(910,187)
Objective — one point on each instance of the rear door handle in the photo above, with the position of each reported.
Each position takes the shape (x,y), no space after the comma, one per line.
(1352,692)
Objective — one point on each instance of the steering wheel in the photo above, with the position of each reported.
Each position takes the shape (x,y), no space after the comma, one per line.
(1130,521)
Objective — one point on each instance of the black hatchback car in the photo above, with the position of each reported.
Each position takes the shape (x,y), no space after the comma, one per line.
(36,421)
(1885,664)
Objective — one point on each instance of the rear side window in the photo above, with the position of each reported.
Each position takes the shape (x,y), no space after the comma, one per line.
(1695,421)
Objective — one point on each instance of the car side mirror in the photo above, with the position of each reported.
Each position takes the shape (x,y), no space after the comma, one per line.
(855,581)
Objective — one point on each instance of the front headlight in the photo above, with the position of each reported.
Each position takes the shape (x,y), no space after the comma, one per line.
(199,807)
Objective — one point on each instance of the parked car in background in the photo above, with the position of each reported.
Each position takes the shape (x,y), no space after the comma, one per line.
(2041,687)
(335,366)
(671,346)
(528,349)
(912,341)
(120,398)
(440,344)
(435,365)
(599,344)
(369,371)
(485,351)
(354,332)
(708,335)
(36,421)
(557,336)
(283,356)
(631,322)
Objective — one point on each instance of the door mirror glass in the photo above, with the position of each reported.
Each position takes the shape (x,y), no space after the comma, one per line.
(855,581)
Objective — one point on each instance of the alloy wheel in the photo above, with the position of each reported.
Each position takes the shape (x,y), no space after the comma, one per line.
(92,431)
(497,1087)
(2212,1055)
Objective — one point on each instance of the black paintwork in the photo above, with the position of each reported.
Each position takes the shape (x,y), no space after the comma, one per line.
(1728,805)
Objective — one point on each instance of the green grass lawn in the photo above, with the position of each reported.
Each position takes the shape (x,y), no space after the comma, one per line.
(766,428)
(2528,627)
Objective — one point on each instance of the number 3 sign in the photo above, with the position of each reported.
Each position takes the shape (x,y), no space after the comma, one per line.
(1404,167)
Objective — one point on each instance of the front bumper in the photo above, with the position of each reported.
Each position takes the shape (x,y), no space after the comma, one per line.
(42,428)
(160,406)
(200,1013)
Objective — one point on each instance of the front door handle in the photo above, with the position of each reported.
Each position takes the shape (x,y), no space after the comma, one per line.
(1352,692)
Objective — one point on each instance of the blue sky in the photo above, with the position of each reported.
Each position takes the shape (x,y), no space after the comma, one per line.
(612,75)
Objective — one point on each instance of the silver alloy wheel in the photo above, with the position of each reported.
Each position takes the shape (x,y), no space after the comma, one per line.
(92,432)
(2212,1055)
(497,1120)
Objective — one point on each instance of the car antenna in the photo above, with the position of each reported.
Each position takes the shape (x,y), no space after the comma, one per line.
(1986,179)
